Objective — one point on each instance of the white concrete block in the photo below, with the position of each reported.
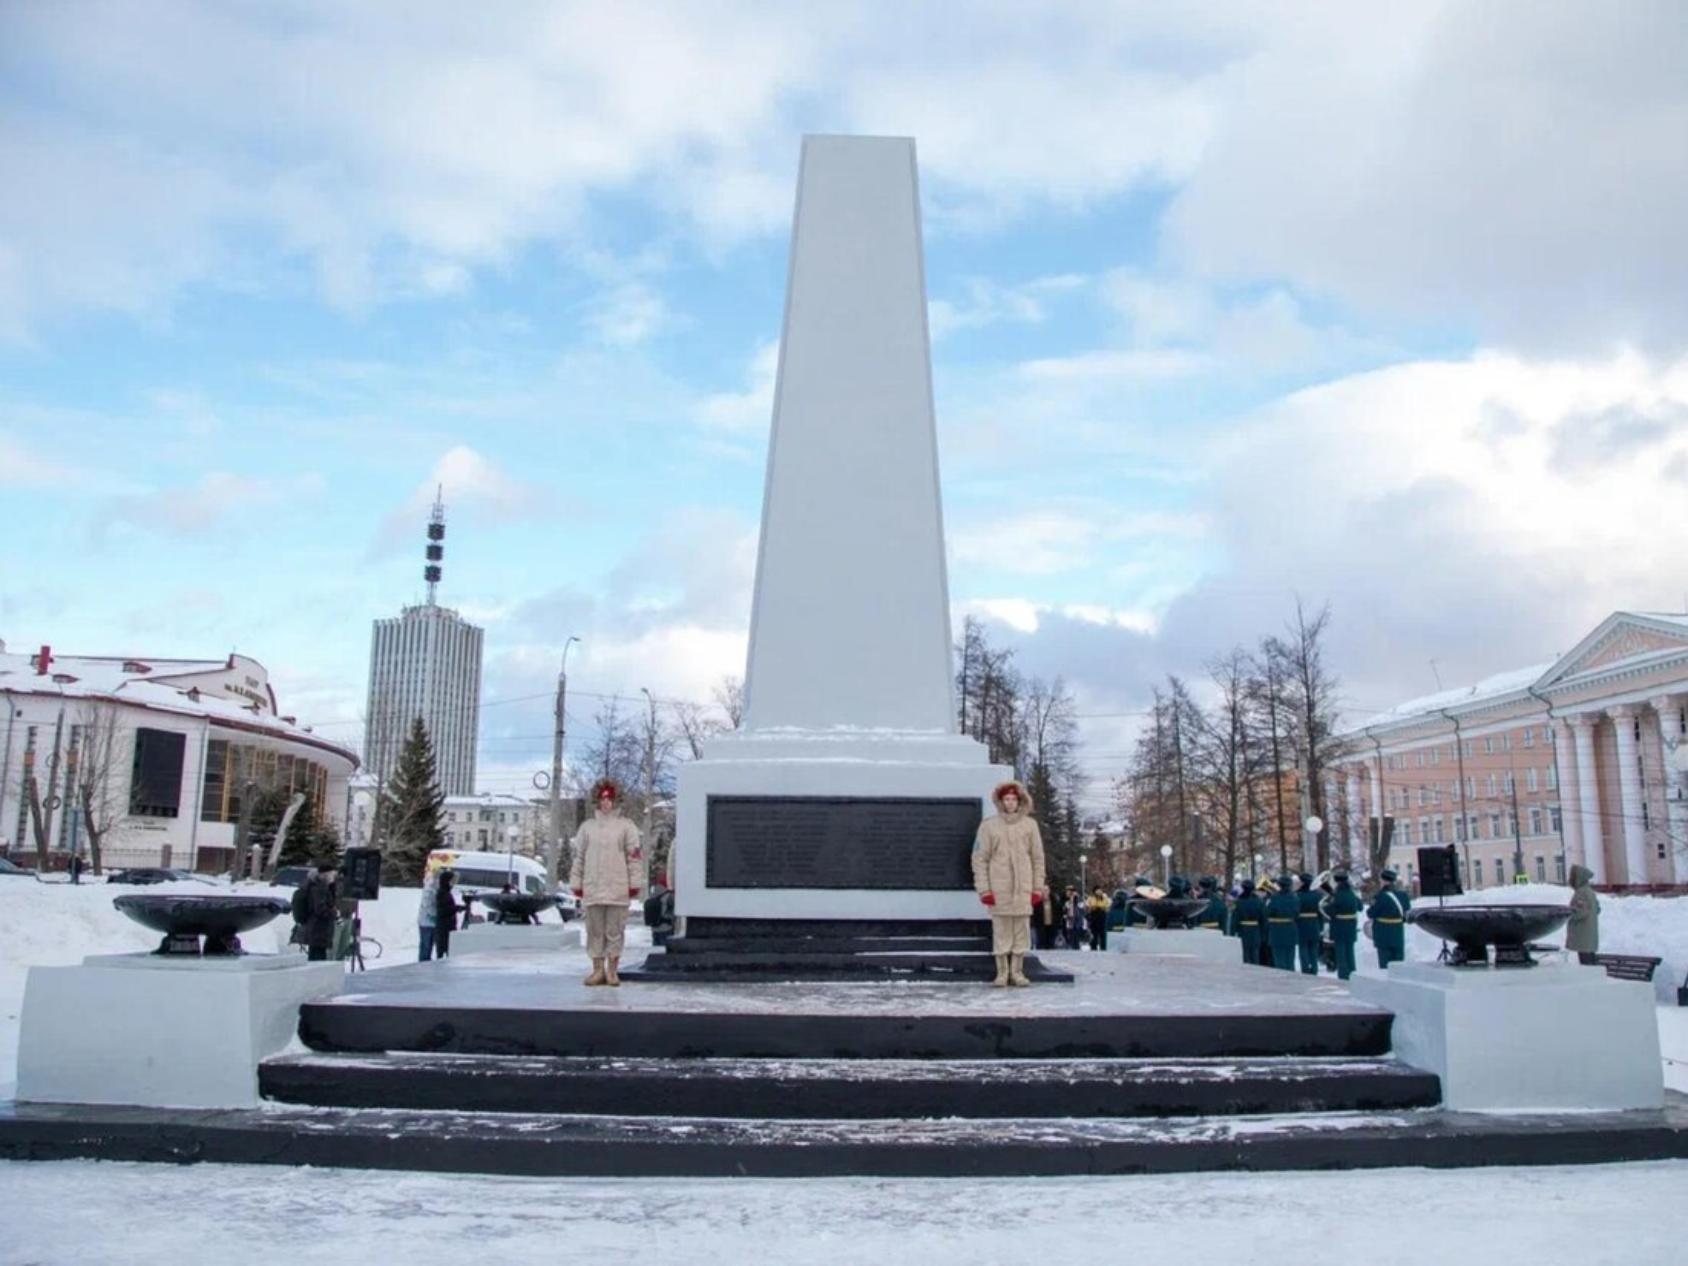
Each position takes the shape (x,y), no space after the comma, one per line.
(481,938)
(1193,942)
(1553,1036)
(146,1029)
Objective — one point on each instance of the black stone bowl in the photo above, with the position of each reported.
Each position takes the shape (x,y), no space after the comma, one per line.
(184,918)
(517,906)
(1472,929)
(1168,912)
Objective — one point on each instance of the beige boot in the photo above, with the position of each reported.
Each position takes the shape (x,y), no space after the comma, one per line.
(1001,981)
(610,977)
(1016,970)
(597,977)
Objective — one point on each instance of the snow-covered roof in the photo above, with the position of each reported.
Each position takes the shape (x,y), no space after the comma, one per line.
(182,686)
(1490,688)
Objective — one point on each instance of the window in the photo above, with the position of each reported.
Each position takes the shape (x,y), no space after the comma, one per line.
(1477,872)
(1553,777)
(215,782)
(1460,826)
(1506,742)
(1435,756)
(155,779)
(1535,821)
(1489,744)
(1532,778)
(1491,785)
(1420,760)
(1530,736)
(1553,816)
(1541,869)
(1559,867)
(1471,787)
(1494,826)
(1506,782)
(1406,834)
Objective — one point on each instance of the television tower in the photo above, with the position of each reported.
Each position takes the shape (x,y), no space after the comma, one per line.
(436,543)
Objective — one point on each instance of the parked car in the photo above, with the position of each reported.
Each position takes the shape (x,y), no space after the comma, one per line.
(568,905)
(11,868)
(148,875)
(293,876)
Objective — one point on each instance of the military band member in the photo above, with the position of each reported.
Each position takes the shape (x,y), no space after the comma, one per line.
(1343,908)
(1388,915)
(1214,915)
(1283,918)
(1248,922)
(1310,925)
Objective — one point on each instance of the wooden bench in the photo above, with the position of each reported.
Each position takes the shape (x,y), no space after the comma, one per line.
(1622,966)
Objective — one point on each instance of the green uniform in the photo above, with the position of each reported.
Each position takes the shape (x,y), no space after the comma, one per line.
(1389,925)
(1343,908)
(1283,916)
(1214,915)
(1310,929)
(1248,921)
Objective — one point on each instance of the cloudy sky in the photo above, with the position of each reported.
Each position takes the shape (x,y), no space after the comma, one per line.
(1385,306)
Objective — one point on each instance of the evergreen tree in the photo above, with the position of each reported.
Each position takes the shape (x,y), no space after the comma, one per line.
(411,810)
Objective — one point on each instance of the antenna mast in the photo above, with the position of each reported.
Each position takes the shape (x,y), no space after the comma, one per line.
(436,543)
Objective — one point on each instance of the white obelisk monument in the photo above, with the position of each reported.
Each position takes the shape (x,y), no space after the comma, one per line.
(847,794)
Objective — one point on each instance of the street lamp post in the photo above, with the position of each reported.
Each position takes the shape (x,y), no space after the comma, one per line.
(650,765)
(1254,869)
(1314,825)
(553,854)
(1083,882)
(1166,865)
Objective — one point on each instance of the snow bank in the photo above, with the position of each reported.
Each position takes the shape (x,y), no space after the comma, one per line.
(1654,926)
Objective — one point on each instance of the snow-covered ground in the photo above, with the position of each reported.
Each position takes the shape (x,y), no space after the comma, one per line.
(87,1212)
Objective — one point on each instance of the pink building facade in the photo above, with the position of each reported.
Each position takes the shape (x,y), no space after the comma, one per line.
(1583,760)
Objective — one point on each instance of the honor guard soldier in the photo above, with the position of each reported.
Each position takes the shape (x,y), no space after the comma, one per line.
(1343,908)
(1248,921)
(1283,920)
(1388,915)
(1310,925)
(1214,914)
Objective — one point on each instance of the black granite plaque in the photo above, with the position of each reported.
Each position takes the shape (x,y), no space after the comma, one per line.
(840,842)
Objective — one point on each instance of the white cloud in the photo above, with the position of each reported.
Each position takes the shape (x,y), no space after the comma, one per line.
(751,410)
(466,480)
(986,302)
(217,499)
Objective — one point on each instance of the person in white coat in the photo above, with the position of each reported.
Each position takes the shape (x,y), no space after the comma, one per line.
(1008,876)
(607,873)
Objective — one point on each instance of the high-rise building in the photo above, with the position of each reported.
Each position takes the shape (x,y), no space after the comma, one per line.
(426,662)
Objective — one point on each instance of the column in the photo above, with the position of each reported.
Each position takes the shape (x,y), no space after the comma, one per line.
(1588,795)
(1629,787)
(1673,742)
(1357,825)
(1565,757)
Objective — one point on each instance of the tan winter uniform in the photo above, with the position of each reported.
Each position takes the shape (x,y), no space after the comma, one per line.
(609,872)
(1008,864)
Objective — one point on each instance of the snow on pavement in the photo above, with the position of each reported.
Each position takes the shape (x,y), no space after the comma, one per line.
(142,1214)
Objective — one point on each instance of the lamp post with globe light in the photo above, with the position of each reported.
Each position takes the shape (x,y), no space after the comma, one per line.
(1166,865)
(1314,825)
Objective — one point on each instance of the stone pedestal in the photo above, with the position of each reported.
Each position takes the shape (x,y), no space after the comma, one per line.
(1555,1036)
(145,1029)
(480,938)
(1191,942)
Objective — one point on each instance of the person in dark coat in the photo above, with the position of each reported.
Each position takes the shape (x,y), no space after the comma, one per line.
(446,910)
(1388,915)
(1310,926)
(1248,920)
(1214,915)
(1343,908)
(322,911)
(1283,919)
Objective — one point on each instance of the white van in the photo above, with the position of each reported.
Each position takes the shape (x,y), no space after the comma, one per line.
(489,872)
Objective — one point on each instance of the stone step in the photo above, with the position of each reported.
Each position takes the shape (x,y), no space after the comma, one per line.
(847,1089)
(821,965)
(649,1147)
(828,945)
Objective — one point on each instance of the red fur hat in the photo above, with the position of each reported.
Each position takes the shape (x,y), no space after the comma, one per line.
(1008,788)
(605,787)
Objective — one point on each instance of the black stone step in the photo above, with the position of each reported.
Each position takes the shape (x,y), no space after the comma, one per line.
(845,1089)
(517,1027)
(710,927)
(717,968)
(646,1147)
(828,945)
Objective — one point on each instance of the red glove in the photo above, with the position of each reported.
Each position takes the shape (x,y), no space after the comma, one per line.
(1037,900)
(632,892)
(989,898)
(579,892)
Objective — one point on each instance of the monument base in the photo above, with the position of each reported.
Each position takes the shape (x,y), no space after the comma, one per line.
(915,866)
(482,938)
(1551,1037)
(1194,942)
(148,1029)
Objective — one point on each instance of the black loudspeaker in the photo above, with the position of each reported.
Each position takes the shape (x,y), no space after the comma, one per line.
(360,874)
(1438,872)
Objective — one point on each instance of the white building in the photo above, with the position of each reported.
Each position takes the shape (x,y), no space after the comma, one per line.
(490,823)
(164,749)
(426,663)
(1583,759)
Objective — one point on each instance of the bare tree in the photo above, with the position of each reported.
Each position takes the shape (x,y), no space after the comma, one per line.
(729,697)
(692,726)
(616,751)
(1310,694)
(99,757)
(1049,747)
(989,687)
(1227,763)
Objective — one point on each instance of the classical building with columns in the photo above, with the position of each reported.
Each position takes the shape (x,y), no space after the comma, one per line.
(1583,759)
